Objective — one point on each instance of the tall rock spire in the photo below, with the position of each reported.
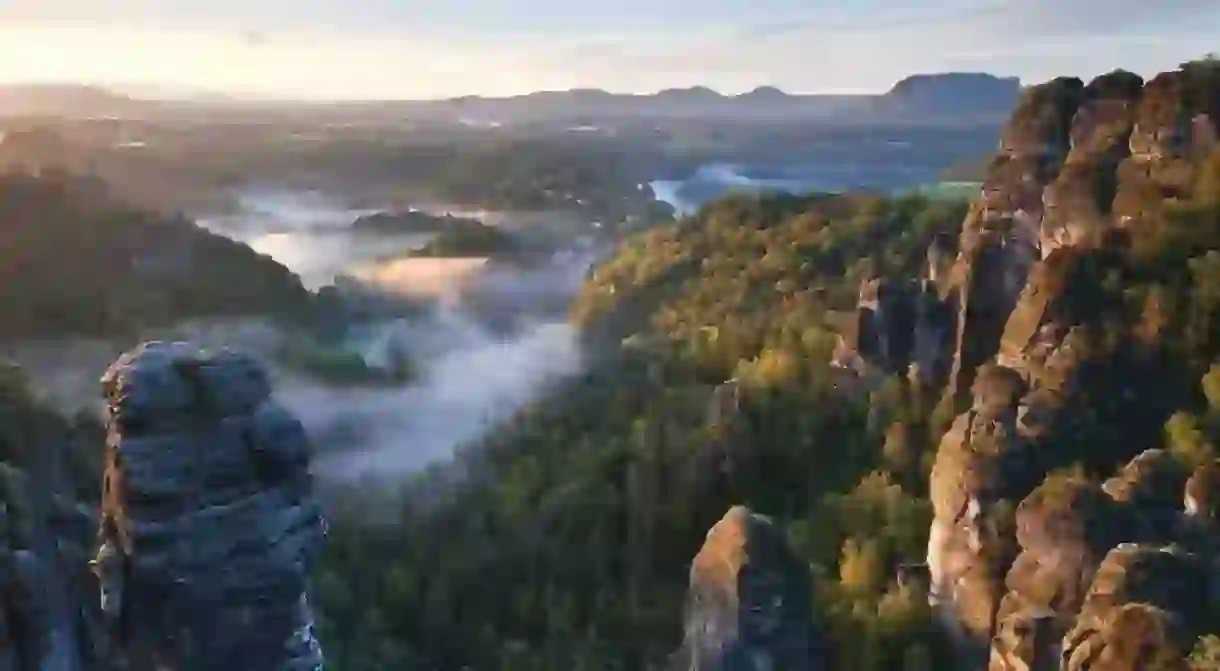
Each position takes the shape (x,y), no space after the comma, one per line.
(209,524)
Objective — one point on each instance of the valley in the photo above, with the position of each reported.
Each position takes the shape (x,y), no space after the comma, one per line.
(640,383)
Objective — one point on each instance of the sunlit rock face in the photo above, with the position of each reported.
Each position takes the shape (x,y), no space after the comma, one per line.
(1077,203)
(979,462)
(1144,610)
(1079,167)
(1174,122)
(749,606)
(1064,528)
(1000,237)
(209,525)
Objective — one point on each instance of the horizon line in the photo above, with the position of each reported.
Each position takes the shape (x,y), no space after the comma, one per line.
(188,93)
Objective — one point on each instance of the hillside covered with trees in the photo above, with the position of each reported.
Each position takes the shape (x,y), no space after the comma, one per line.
(727,376)
(568,546)
(80,262)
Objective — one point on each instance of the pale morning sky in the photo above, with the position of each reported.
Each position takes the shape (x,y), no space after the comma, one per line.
(435,48)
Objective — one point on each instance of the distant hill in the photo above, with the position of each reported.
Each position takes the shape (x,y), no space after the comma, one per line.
(921,97)
(918,98)
(953,94)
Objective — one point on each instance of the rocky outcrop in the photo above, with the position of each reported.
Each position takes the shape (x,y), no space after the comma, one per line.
(1078,169)
(1064,528)
(1077,203)
(209,526)
(979,464)
(49,617)
(749,605)
(1144,610)
(880,334)
(901,327)
(1000,237)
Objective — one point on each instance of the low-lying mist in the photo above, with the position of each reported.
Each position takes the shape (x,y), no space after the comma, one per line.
(472,370)
(472,380)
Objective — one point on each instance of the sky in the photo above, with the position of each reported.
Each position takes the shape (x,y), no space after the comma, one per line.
(379,49)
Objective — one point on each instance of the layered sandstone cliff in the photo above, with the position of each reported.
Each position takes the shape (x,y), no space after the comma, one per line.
(1025,567)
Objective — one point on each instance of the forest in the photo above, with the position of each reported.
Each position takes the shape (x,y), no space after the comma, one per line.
(79,261)
(566,541)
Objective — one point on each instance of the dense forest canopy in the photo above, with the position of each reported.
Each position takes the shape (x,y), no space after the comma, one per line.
(78,262)
(567,544)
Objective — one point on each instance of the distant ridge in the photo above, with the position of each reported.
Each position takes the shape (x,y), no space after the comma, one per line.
(920,97)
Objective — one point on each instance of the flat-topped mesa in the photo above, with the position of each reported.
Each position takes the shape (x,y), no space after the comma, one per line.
(750,602)
(1000,236)
(209,525)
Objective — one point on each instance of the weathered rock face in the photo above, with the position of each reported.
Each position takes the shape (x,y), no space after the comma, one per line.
(1000,237)
(979,463)
(900,327)
(1143,611)
(1077,203)
(1065,527)
(209,526)
(749,606)
(1077,165)
(49,617)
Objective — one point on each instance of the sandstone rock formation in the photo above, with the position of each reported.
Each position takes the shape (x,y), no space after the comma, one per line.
(209,526)
(1065,527)
(1144,610)
(978,465)
(49,617)
(1078,167)
(749,606)
(901,327)
(1000,237)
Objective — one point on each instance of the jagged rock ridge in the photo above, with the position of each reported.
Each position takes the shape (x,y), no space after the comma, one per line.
(1026,586)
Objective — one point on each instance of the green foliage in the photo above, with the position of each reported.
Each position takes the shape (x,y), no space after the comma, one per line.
(86,265)
(335,365)
(1206,655)
(570,545)
(475,239)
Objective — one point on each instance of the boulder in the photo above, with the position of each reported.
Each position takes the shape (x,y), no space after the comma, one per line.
(209,524)
(749,607)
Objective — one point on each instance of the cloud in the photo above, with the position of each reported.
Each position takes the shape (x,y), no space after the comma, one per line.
(1039,19)
(379,48)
